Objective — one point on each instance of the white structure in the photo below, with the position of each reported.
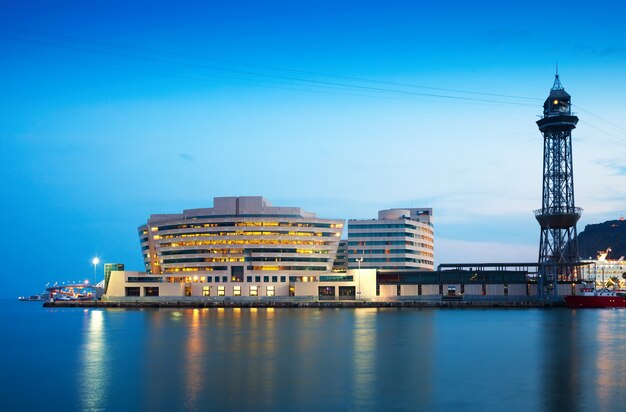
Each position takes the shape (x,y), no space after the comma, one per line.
(242,244)
(398,239)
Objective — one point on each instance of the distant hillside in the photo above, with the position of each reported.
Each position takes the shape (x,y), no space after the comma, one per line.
(600,236)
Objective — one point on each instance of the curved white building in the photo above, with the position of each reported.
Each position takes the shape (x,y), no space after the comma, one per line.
(242,241)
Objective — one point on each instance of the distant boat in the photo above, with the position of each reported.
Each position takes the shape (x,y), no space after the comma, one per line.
(590,298)
(34,298)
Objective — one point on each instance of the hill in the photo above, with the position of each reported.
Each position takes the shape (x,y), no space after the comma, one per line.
(601,236)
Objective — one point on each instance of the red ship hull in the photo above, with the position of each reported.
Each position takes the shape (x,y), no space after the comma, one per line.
(595,301)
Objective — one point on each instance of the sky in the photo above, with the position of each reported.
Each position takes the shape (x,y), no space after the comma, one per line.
(111,111)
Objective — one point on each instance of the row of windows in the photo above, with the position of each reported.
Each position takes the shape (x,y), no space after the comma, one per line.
(384,226)
(386,251)
(247,242)
(253,224)
(246,259)
(241,251)
(247,233)
(253,291)
(373,260)
(224,268)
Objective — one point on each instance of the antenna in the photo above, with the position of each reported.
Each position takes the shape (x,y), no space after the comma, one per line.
(557,69)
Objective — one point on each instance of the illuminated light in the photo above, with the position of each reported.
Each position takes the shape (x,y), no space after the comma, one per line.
(555,101)
(154,229)
(95,260)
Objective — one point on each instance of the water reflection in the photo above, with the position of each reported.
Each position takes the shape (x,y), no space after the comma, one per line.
(93,373)
(194,353)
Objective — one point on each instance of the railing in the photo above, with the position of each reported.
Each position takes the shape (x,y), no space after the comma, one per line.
(558,210)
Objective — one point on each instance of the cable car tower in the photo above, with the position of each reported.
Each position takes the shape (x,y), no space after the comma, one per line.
(558,247)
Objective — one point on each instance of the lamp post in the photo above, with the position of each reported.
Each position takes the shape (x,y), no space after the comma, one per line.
(359,260)
(95,262)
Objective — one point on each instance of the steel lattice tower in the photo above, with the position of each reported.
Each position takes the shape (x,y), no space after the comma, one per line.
(558,247)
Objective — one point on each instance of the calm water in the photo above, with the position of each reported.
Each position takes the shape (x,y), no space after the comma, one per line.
(310,359)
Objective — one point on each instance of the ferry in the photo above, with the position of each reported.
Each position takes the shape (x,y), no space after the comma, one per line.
(590,298)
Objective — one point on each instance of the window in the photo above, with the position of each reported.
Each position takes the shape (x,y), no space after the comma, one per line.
(282,279)
(257,278)
(266,278)
(209,279)
(206,291)
(151,291)
(132,291)
(221,291)
(270,291)
(236,290)
(224,279)
(274,278)
(249,279)
(254,291)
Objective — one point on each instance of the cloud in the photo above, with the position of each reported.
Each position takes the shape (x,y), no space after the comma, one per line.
(618,168)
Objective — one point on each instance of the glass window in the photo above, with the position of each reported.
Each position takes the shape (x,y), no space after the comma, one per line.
(209,279)
(224,279)
(206,290)
(221,291)
(282,279)
(254,291)
(266,278)
(257,278)
(270,291)
(249,279)
(274,278)
(236,290)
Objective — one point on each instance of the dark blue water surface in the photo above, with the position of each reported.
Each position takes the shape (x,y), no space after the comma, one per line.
(312,359)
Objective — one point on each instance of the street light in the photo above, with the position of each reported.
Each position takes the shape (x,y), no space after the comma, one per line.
(95,262)
(359,260)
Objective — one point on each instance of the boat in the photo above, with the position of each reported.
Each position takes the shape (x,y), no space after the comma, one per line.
(589,297)
(34,298)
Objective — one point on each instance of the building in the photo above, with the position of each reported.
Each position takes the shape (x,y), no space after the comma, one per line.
(242,246)
(108,268)
(341,259)
(398,239)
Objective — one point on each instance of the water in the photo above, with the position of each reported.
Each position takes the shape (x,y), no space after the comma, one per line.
(312,359)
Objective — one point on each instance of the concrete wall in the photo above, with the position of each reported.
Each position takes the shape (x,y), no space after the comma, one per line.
(495,290)
(408,290)
(387,291)
(473,289)
(517,290)
(430,289)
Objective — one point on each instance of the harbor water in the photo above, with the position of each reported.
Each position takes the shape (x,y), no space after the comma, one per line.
(312,359)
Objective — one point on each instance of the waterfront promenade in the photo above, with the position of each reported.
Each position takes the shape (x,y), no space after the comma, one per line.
(305,302)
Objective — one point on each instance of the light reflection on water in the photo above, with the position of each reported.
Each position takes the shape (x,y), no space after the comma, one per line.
(332,359)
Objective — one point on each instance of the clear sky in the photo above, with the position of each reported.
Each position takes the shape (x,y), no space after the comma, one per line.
(112,111)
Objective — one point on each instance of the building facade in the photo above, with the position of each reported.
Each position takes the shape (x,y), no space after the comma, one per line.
(398,239)
(108,268)
(244,242)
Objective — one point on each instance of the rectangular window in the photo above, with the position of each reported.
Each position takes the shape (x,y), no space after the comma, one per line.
(224,279)
(266,278)
(209,279)
(236,290)
(221,291)
(132,291)
(206,290)
(282,279)
(249,279)
(257,278)
(151,291)
(270,291)
(254,291)
(274,279)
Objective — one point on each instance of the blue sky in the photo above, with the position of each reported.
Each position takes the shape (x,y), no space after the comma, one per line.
(113,111)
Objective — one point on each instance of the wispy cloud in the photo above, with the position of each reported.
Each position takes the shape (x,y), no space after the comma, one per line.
(618,167)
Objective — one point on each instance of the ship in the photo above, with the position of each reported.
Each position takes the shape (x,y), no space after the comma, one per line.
(589,297)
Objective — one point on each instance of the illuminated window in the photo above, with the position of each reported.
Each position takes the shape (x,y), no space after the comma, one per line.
(237,291)
(270,291)
(206,291)
(221,291)
(254,291)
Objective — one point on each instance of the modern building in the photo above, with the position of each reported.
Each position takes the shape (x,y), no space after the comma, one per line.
(398,239)
(341,259)
(241,243)
(108,268)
